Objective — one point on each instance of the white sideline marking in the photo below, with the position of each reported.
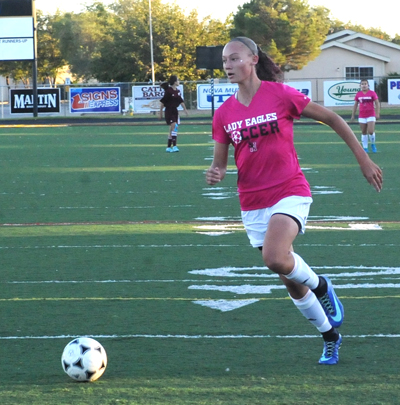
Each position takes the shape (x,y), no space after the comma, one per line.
(214,233)
(234,272)
(148,336)
(225,305)
(178,246)
(263,273)
(352,227)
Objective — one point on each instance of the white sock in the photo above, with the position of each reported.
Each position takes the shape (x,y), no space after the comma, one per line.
(302,273)
(311,308)
(364,140)
(372,138)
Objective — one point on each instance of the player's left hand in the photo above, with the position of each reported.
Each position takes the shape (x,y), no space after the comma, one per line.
(373,173)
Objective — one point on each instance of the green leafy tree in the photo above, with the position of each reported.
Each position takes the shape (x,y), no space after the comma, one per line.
(125,55)
(337,25)
(290,31)
(17,71)
(80,37)
(396,39)
(49,57)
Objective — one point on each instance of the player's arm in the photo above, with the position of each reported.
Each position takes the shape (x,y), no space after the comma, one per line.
(161,110)
(217,170)
(184,108)
(353,113)
(377,108)
(370,170)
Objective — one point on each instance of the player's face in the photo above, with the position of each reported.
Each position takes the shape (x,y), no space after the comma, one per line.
(364,86)
(238,61)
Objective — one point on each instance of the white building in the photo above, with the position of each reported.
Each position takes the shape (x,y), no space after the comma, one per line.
(349,55)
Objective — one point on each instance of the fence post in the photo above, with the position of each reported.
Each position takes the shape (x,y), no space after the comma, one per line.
(2,103)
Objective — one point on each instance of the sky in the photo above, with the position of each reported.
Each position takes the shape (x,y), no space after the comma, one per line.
(382,14)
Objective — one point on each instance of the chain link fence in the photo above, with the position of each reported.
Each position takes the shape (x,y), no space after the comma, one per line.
(189,94)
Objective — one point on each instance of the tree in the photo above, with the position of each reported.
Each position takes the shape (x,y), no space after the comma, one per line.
(337,25)
(112,44)
(49,58)
(126,55)
(288,30)
(80,37)
(18,71)
(396,39)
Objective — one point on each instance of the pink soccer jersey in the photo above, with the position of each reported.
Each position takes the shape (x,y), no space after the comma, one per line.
(366,100)
(262,135)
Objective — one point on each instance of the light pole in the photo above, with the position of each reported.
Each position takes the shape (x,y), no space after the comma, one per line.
(34,62)
(151,45)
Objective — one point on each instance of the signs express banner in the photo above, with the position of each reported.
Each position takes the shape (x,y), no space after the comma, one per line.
(95,100)
(21,100)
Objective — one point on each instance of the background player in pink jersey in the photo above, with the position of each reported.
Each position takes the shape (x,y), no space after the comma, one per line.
(368,102)
(274,195)
(171,100)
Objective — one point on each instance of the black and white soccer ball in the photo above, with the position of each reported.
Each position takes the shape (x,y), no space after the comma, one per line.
(84,359)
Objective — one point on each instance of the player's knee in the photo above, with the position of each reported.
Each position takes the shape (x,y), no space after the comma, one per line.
(275,261)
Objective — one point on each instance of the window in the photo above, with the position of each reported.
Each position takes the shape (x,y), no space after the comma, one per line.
(359,73)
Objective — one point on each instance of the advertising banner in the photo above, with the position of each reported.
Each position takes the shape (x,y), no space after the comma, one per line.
(342,93)
(221,93)
(302,87)
(393,91)
(224,90)
(147,98)
(95,100)
(16,38)
(21,100)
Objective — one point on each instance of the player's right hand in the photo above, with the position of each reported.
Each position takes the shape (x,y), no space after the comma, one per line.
(213,176)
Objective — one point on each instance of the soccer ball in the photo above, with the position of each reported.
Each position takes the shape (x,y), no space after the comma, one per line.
(84,359)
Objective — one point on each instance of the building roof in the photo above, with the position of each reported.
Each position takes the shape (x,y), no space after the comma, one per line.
(355,49)
(343,39)
(349,35)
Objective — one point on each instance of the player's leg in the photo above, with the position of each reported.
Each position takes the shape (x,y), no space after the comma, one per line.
(364,134)
(321,306)
(174,133)
(170,122)
(371,134)
(311,309)
(279,257)
(301,281)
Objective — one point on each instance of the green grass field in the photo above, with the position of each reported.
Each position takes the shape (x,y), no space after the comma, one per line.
(105,235)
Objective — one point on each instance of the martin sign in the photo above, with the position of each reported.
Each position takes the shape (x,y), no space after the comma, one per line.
(21,101)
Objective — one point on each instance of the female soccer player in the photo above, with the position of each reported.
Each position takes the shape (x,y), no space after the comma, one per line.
(369,113)
(274,195)
(171,101)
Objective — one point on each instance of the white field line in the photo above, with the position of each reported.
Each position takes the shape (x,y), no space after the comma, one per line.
(223,274)
(149,336)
